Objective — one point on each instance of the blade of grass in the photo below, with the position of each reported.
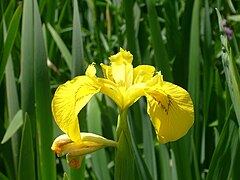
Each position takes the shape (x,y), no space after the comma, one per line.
(51,7)
(208,71)
(224,154)
(172,30)
(27,70)
(160,52)
(62,14)
(132,43)
(148,142)
(99,158)
(181,64)
(194,69)
(163,161)
(63,48)
(10,39)
(6,16)
(26,168)
(14,125)
(13,106)
(236,165)
(77,44)
(141,166)
(3,177)
(195,160)
(46,166)
(194,78)
(182,155)
(182,148)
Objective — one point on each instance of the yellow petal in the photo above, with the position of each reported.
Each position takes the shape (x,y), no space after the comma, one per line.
(133,93)
(157,80)
(91,71)
(171,111)
(110,89)
(68,100)
(142,73)
(75,151)
(107,71)
(122,69)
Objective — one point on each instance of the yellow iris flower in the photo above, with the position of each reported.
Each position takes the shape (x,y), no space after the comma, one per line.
(169,106)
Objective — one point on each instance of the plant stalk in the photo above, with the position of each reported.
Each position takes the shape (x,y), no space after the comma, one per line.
(124,162)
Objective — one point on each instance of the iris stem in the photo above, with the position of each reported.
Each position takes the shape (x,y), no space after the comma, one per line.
(124,164)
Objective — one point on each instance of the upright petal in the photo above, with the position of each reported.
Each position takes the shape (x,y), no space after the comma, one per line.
(107,71)
(171,111)
(110,89)
(133,93)
(142,73)
(122,69)
(68,100)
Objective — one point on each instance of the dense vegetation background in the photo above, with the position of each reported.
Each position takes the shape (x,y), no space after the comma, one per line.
(45,43)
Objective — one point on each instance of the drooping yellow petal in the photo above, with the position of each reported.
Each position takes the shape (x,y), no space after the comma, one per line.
(68,100)
(75,151)
(142,73)
(171,111)
(122,69)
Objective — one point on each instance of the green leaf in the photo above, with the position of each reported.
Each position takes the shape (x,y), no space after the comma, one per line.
(235,18)
(142,169)
(26,168)
(162,159)
(208,71)
(79,173)
(99,159)
(131,30)
(77,44)
(194,65)
(148,142)
(124,157)
(224,154)
(230,69)
(51,7)
(27,64)
(3,177)
(160,52)
(10,39)
(13,106)
(63,48)
(14,125)
(46,161)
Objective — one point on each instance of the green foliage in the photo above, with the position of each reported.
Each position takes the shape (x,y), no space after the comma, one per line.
(187,40)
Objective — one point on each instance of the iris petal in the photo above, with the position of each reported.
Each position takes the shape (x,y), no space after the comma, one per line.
(107,71)
(122,69)
(110,89)
(171,111)
(68,100)
(134,93)
(142,73)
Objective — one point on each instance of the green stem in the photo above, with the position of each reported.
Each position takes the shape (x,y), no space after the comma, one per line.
(124,164)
